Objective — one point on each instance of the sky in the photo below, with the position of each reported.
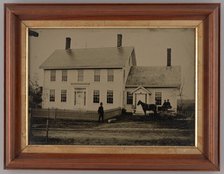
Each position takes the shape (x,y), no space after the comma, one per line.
(150,48)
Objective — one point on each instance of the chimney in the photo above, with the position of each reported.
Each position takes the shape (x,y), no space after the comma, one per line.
(168,57)
(119,40)
(68,43)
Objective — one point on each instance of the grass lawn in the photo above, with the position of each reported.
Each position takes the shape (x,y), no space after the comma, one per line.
(126,130)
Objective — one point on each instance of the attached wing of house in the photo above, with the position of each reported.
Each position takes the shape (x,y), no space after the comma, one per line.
(152,85)
(154,76)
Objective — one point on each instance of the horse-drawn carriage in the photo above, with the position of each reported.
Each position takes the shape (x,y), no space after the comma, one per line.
(166,109)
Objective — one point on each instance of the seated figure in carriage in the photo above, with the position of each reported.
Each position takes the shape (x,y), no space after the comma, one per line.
(166,105)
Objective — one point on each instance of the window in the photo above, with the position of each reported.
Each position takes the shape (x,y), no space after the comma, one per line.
(96,75)
(64,75)
(53,75)
(80,75)
(110,75)
(52,95)
(129,98)
(158,98)
(96,96)
(109,96)
(63,95)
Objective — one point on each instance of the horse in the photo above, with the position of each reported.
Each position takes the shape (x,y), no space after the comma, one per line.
(147,107)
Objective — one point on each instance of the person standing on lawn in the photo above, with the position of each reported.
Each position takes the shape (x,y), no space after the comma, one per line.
(101,112)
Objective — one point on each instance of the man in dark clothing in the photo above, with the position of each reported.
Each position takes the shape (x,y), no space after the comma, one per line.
(164,105)
(101,112)
(168,105)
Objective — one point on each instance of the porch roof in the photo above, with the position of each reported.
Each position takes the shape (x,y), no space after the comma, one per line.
(141,88)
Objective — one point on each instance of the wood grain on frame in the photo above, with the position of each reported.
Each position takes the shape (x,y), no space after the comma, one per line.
(208,159)
(123,149)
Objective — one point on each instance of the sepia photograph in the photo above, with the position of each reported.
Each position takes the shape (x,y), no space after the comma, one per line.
(112,86)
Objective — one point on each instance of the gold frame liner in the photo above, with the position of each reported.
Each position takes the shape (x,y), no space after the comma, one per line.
(197,149)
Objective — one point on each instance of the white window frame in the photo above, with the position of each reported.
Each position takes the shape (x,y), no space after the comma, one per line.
(96,96)
(52,95)
(97,75)
(80,77)
(64,75)
(63,95)
(129,98)
(158,94)
(110,96)
(52,75)
(110,75)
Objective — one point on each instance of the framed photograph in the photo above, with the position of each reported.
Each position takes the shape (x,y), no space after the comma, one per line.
(112,86)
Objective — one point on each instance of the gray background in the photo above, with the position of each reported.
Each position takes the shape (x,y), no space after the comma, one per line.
(95,1)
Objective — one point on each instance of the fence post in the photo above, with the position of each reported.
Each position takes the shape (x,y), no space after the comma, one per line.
(47,128)
(48,113)
(47,125)
(55,113)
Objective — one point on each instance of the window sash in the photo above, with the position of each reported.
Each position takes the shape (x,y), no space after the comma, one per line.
(129,98)
(110,97)
(110,75)
(97,76)
(52,95)
(53,75)
(63,95)
(158,98)
(64,75)
(80,75)
(96,96)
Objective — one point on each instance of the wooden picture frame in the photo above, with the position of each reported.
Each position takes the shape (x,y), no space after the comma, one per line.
(19,155)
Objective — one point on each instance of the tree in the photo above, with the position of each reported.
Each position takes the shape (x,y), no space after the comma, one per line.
(35,95)
(180,94)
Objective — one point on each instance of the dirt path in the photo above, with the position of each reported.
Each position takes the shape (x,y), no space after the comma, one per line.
(119,133)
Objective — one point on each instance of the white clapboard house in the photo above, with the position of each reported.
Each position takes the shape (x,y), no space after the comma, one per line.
(79,79)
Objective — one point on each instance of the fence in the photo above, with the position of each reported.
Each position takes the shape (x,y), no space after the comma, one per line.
(74,115)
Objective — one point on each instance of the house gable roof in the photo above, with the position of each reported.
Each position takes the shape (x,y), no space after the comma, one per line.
(154,76)
(108,57)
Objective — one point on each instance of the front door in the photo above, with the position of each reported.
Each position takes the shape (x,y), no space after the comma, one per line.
(80,99)
(142,97)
